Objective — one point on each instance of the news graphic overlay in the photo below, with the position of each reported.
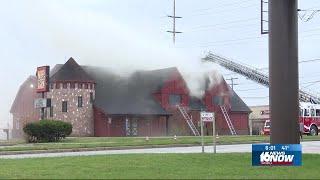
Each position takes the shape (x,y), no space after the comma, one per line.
(276,155)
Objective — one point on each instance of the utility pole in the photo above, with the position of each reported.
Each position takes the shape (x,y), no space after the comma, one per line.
(174,17)
(283,72)
(232,82)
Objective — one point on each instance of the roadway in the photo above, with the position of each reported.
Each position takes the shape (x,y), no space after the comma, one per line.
(307,147)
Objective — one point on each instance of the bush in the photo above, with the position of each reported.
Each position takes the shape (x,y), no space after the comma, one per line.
(47,130)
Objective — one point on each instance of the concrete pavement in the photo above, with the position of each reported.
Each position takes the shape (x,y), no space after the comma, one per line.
(307,147)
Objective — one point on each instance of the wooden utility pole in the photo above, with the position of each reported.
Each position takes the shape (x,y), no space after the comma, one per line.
(232,82)
(174,17)
(283,72)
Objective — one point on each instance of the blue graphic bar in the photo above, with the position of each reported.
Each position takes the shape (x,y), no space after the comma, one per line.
(276,155)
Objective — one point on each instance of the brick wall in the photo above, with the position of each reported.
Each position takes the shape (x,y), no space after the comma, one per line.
(81,118)
(23,110)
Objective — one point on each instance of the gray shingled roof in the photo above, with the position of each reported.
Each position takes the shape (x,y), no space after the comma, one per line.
(70,71)
(237,105)
(133,94)
(126,95)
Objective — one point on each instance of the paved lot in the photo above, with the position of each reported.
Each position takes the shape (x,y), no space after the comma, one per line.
(307,147)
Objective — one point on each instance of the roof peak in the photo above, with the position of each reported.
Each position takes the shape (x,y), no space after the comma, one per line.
(71,60)
(71,71)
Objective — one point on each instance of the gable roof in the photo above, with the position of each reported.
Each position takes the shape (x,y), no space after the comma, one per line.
(23,89)
(155,79)
(133,94)
(237,104)
(125,95)
(70,71)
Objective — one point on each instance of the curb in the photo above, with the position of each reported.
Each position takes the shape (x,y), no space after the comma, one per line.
(91,149)
(106,148)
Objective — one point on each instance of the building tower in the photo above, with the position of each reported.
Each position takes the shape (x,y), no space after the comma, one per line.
(72,92)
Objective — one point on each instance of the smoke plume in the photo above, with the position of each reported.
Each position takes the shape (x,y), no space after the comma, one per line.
(98,39)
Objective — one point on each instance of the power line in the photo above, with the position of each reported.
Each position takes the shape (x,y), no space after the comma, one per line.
(223,5)
(225,42)
(229,22)
(310,83)
(257,97)
(241,90)
(221,27)
(223,11)
(232,81)
(310,60)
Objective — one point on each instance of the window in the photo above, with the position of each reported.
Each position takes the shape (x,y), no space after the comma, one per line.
(91,97)
(91,86)
(48,102)
(80,104)
(217,100)
(51,111)
(80,85)
(51,85)
(313,112)
(267,124)
(306,112)
(65,85)
(72,85)
(317,112)
(64,106)
(57,85)
(174,99)
(86,86)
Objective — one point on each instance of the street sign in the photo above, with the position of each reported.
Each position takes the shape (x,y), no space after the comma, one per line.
(40,103)
(207,116)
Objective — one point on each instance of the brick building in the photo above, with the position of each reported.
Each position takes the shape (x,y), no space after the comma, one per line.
(22,109)
(98,102)
(258,118)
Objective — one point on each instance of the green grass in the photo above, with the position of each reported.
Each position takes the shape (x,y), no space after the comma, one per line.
(94,142)
(155,166)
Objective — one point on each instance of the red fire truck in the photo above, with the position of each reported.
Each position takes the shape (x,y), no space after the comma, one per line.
(309,116)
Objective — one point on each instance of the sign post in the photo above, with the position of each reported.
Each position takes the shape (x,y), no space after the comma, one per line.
(214,134)
(202,143)
(208,117)
(43,83)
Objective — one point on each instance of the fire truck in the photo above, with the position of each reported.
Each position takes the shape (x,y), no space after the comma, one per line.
(309,117)
(309,102)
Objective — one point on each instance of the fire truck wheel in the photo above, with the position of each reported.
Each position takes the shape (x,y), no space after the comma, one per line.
(313,131)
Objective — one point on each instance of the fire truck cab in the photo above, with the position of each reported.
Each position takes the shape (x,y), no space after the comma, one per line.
(310,117)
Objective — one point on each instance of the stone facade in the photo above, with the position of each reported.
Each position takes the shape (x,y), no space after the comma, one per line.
(81,118)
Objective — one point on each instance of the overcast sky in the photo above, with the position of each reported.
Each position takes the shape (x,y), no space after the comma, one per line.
(126,35)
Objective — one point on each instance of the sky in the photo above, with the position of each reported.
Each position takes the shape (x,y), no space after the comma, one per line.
(127,35)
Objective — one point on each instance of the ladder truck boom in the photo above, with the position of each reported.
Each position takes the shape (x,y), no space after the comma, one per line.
(254,75)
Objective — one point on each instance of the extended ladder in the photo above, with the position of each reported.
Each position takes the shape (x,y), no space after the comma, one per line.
(228,120)
(255,75)
(188,120)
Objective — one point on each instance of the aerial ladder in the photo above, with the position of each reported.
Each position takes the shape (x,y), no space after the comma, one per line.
(254,75)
